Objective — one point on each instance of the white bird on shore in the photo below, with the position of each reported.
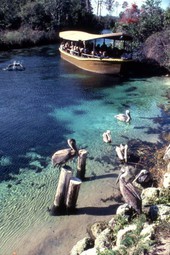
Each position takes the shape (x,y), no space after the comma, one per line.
(107,137)
(124,117)
(121,152)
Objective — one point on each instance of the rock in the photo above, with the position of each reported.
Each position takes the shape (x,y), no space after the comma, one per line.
(166,180)
(112,223)
(103,240)
(161,212)
(166,156)
(95,229)
(124,210)
(153,212)
(82,245)
(92,251)
(148,232)
(149,196)
(168,167)
(121,233)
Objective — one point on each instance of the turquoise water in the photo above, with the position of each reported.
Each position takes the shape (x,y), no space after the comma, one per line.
(40,109)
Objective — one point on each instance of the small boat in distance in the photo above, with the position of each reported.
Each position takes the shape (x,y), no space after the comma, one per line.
(15,66)
(84,51)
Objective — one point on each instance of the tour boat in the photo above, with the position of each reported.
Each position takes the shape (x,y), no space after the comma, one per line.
(91,52)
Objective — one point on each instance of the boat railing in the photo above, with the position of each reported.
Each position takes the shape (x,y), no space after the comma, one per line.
(77,53)
(92,55)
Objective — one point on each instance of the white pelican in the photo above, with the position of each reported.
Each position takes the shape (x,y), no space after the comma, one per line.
(61,157)
(121,152)
(107,137)
(124,117)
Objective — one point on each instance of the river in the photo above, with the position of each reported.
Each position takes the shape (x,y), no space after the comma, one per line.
(40,109)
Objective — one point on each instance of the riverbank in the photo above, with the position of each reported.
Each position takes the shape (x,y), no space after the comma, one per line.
(26,37)
(102,203)
(102,206)
(50,95)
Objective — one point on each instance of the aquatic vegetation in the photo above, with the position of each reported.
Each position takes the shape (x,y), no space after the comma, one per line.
(5,161)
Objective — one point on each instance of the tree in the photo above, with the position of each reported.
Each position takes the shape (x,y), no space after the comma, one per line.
(141,23)
(167,18)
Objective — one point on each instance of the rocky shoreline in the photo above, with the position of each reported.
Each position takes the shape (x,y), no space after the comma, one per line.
(149,232)
(137,233)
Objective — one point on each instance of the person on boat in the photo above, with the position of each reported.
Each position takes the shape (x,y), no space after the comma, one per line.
(103,47)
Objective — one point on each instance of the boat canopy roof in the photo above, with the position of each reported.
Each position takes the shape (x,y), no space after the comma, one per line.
(83,36)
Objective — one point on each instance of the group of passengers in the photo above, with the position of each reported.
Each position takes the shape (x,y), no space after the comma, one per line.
(88,50)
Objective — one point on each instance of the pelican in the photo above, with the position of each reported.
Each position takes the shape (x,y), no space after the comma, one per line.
(128,191)
(107,137)
(144,178)
(124,117)
(121,152)
(61,157)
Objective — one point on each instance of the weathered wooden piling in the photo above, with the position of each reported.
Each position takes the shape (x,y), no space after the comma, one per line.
(62,188)
(125,152)
(72,194)
(81,164)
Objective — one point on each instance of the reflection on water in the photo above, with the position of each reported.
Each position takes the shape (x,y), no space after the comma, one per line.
(45,105)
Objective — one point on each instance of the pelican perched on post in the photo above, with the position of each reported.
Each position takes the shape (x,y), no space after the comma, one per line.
(128,191)
(124,117)
(107,137)
(61,157)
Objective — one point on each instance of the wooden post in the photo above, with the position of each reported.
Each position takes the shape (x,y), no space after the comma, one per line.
(62,188)
(81,164)
(125,152)
(73,191)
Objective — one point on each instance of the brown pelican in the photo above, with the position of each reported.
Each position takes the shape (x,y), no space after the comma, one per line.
(144,178)
(124,117)
(61,157)
(128,191)
(107,137)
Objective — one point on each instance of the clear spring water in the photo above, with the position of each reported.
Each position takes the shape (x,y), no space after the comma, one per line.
(40,109)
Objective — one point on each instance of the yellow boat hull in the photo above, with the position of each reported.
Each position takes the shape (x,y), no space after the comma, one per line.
(93,64)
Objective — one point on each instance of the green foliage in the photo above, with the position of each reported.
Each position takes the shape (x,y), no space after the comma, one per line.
(149,20)
(132,243)
(45,14)
(108,252)
(164,197)
(121,222)
(167,18)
